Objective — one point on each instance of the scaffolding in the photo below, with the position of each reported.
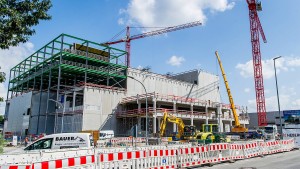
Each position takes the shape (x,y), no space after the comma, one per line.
(68,60)
(66,65)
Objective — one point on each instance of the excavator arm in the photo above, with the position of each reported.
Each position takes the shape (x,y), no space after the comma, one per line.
(237,127)
(163,124)
(172,119)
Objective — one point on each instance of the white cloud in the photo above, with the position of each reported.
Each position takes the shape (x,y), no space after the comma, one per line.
(121,21)
(247,90)
(296,103)
(175,61)
(295,62)
(267,91)
(10,58)
(282,64)
(140,67)
(287,102)
(161,13)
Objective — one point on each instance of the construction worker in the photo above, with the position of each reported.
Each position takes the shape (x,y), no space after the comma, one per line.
(26,141)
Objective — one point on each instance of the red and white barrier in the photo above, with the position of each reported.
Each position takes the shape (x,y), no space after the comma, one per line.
(122,159)
(287,145)
(149,157)
(236,151)
(251,150)
(17,166)
(161,158)
(193,156)
(219,152)
(273,147)
(65,163)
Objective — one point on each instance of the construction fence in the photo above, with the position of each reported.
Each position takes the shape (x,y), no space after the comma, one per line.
(145,157)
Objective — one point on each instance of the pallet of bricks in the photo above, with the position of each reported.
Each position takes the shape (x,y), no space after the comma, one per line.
(146,157)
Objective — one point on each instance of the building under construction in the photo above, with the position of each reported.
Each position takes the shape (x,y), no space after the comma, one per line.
(72,84)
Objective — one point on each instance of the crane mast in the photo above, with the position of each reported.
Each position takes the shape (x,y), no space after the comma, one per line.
(237,127)
(128,38)
(256,29)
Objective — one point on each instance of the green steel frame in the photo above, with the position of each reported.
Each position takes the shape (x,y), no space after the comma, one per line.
(63,64)
(58,64)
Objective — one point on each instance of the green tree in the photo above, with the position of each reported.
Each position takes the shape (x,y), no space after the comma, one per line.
(2,143)
(1,119)
(2,79)
(17,18)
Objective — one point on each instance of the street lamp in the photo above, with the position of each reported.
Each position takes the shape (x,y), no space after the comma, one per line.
(146,107)
(62,118)
(274,59)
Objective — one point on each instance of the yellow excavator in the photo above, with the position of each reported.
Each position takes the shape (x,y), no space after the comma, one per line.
(238,128)
(189,132)
(170,118)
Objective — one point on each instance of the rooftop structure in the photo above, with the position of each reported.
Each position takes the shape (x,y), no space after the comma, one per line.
(72,84)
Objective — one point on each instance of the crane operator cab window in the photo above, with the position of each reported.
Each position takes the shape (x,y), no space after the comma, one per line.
(215,128)
(41,144)
(206,128)
(189,130)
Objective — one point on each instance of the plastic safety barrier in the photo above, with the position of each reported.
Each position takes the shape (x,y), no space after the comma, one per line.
(144,157)
(134,159)
(65,163)
(219,152)
(236,151)
(193,156)
(161,158)
(20,166)
(273,147)
(251,149)
(287,145)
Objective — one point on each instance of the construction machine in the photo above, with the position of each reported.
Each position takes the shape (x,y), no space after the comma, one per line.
(189,132)
(170,118)
(238,128)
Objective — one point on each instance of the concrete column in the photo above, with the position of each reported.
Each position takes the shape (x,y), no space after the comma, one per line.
(174,125)
(206,111)
(221,128)
(158,121)
(154,123)
(219,112)
(192,114)
(74,100)
(139,118)
(65,100)
(154,115)
(73,109)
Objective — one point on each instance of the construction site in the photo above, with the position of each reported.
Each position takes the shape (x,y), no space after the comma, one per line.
(75,85)
(71,82)
(87,102)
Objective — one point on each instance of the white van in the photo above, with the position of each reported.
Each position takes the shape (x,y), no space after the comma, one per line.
(62,141)
(106,134)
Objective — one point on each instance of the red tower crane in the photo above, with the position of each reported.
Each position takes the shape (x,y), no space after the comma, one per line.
(256,29)
(147,34)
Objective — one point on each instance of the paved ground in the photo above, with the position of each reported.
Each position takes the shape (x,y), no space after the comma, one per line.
(13,149)
(288,160)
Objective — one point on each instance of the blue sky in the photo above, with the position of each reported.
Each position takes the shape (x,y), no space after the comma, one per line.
(225,28)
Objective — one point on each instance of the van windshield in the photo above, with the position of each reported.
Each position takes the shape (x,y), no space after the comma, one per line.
(102,134)
(40,144)
(269,129)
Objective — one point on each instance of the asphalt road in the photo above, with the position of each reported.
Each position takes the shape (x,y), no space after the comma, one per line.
(287,160)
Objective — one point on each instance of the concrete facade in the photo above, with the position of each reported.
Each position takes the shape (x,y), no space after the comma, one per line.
(193,96)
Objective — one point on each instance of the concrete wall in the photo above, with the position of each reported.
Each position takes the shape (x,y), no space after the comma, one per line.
(37,119)
(98,105)
(166,86)
(271,116)
(18,106)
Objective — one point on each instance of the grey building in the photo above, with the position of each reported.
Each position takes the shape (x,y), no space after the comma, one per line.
(72,84)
